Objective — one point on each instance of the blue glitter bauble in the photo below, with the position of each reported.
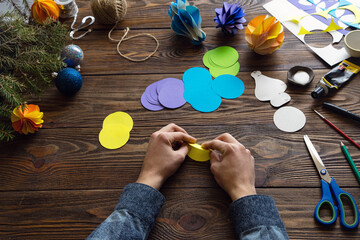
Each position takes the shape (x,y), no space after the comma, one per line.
(68,81)
(72,55)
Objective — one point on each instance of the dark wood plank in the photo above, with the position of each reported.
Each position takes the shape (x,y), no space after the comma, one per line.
(187,214)
(73,159)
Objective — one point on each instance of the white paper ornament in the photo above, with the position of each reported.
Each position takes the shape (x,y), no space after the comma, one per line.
(266,87)
(280,99)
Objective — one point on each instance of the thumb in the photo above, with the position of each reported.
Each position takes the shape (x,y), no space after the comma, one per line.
(183,150)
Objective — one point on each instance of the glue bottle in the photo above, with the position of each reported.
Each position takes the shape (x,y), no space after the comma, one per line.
(336,77)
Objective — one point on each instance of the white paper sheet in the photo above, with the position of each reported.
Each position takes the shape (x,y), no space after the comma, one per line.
(284,11)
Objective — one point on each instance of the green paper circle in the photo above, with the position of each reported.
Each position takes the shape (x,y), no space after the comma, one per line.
(233,70)
(224,56)
(207,58)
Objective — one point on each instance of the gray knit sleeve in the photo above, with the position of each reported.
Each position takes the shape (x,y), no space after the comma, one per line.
(256,217)
(134,215)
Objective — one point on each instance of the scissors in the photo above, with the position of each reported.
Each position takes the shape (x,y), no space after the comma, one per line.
(328,183)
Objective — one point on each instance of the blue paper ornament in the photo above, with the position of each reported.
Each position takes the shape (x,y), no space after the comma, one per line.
(230,18)
(68,81)
(186,21)
(72,55)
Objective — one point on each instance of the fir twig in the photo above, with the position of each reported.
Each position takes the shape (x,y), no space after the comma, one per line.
(29,53)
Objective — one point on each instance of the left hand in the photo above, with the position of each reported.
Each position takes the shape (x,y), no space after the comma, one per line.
(164,156)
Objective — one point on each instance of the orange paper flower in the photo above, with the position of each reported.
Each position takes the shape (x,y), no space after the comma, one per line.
(44,9)
(27,118)
(264,34)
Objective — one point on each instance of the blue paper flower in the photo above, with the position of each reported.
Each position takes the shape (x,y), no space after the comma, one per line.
(230,18)
(186,21)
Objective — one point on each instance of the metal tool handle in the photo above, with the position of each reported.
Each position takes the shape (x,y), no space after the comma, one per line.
(339,193)
(326,199)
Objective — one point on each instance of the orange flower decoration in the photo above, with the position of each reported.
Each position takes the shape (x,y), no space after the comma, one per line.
(27,118)
(264,34)
(44,9)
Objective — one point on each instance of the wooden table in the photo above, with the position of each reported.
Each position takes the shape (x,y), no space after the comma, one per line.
(60,183)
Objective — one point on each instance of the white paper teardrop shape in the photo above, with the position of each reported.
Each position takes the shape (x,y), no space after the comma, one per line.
(266,87)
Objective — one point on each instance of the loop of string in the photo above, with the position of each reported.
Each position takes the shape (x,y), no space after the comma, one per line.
(81,26)
(124,38)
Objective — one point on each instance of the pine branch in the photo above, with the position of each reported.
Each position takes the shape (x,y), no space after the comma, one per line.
(29,54)
(6,131)
(9,88)
(5,111)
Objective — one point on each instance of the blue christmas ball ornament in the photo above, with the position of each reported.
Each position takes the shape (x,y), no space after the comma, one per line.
(72,55)
(68,81)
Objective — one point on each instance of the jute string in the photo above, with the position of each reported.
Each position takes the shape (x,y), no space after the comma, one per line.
(124,38)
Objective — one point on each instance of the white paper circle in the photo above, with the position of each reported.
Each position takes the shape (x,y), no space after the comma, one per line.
(289,119)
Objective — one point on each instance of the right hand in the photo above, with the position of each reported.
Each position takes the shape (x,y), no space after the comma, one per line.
(232,166)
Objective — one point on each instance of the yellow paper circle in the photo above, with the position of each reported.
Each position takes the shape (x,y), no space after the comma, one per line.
(121,118)
(197,153)
(114,136)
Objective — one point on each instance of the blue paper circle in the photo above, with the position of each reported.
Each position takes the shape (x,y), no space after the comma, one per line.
(228,86)
(203,100)
(197,77)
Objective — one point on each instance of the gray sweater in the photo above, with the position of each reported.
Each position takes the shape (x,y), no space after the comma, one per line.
(254,217)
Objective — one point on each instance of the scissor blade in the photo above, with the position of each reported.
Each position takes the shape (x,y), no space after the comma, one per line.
(317,160)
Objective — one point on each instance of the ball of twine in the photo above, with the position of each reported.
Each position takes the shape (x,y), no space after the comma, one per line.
(108,11)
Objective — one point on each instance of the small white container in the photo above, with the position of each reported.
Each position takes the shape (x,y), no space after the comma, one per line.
(300,75)
(352,43)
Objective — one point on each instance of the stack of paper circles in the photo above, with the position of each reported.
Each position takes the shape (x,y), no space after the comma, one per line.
(222,60)
(197,153)
(115,131)
(204,94)
(166,93)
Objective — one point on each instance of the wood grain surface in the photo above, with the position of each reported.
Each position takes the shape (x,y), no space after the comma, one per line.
(60,183)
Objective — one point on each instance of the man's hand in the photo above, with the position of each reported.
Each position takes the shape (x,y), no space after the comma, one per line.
(232,165)
(166,152)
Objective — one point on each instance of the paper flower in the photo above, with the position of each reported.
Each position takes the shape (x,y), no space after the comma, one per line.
(44,9)
(264,34)
(230,18)
(186,21)
(27,118)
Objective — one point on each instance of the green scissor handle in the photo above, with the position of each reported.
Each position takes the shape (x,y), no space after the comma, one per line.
(339,193)
(327,199)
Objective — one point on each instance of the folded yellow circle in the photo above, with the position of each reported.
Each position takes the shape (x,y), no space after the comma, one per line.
(197,153)
(119,118)
(114,136)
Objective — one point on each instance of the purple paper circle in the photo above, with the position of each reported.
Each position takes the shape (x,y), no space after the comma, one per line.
(151,94)
(171,94)
(146,104)
(161,83)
